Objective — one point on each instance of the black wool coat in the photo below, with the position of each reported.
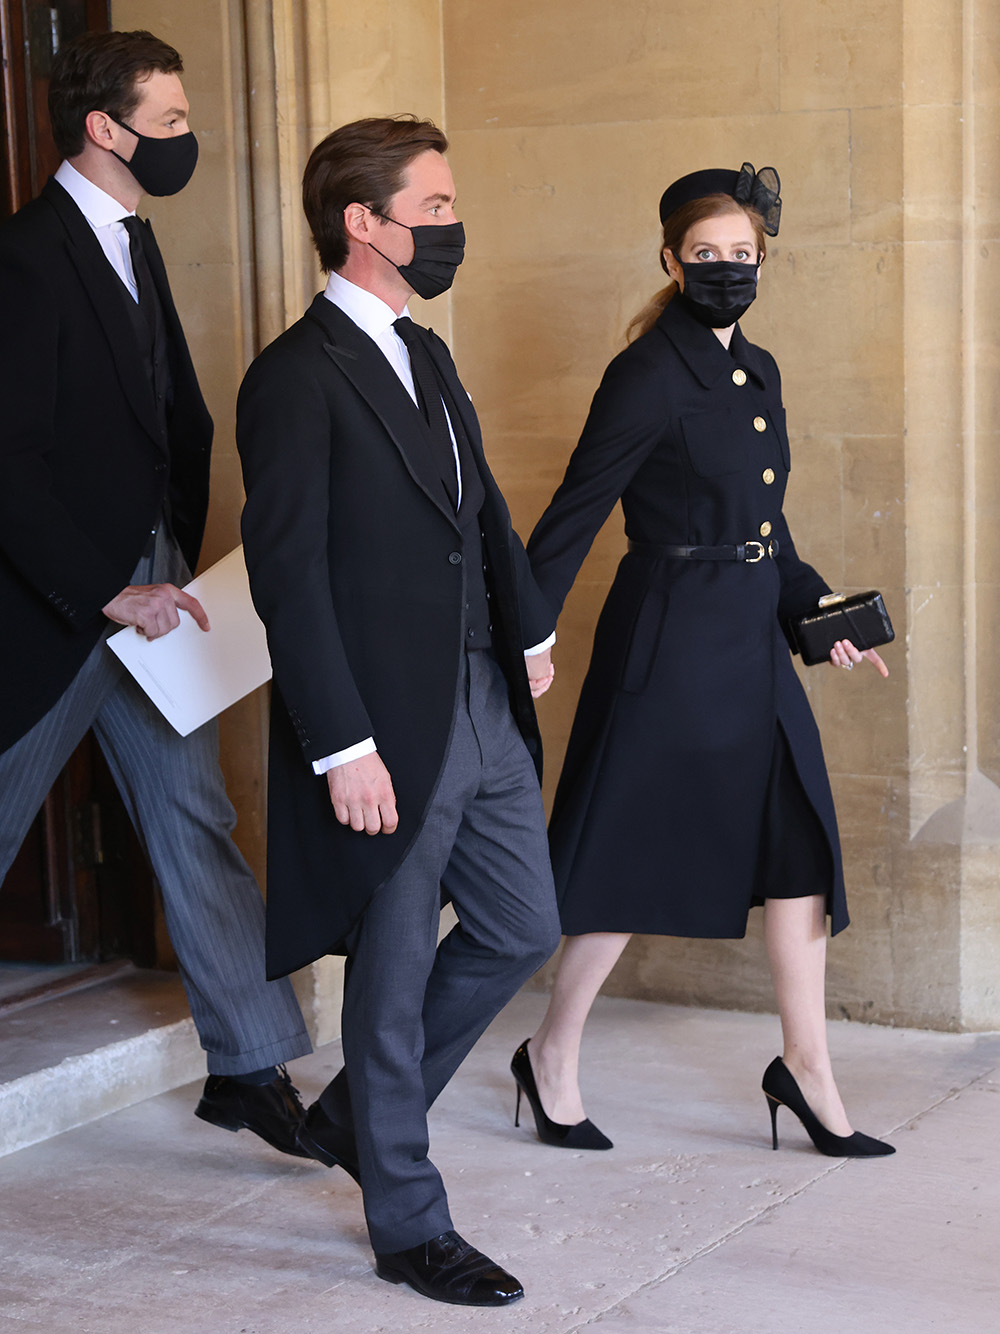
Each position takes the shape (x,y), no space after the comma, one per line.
(85,468)
(356,566)
(658,816)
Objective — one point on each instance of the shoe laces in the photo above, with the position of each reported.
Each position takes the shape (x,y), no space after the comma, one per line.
(286,1081)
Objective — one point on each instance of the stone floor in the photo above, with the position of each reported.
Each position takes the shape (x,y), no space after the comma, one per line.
(149,1221)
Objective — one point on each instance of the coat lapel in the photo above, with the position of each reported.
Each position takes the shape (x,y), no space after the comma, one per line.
(363,364)
(104,290)
(458,398)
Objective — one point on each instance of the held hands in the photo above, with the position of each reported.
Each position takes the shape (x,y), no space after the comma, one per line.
(361,795)
(844,654)
(152,608)
(541,673)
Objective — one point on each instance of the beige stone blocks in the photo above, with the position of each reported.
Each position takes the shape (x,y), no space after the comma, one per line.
(932,41)
(529,64)
(841,53)
(876,184)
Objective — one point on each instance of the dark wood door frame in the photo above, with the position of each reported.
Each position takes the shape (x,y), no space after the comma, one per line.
(31,32)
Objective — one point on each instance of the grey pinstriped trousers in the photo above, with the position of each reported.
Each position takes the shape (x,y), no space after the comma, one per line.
(173,790)
(413,1009)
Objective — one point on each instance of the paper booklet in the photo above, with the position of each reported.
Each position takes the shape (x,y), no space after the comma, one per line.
(190,674)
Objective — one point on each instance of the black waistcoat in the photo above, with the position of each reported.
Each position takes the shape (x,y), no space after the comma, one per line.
(154,347)
(477,597)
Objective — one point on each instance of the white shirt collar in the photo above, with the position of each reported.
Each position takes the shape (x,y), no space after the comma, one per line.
(95,204)
(368,311)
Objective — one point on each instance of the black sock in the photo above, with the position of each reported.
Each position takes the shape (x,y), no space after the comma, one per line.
(257,1077)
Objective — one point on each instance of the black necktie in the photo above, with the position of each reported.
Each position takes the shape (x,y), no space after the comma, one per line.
(429,394)
(140,270)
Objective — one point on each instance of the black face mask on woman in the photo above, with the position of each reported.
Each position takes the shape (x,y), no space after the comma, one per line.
(719,292)
(161,166)
(437,253)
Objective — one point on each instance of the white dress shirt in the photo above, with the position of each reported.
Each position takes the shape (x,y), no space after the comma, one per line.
(105,217)
(373,317)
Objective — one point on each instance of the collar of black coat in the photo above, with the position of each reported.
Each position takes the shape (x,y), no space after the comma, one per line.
(362,362)
(706,358)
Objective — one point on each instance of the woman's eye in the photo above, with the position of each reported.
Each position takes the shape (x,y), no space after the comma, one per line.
(742,256)
(703,254)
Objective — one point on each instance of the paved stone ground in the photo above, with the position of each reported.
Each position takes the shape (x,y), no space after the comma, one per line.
(148,1221)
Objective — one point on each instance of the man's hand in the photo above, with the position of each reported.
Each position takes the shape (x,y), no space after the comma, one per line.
(541,673)
(152,608)
(361,795)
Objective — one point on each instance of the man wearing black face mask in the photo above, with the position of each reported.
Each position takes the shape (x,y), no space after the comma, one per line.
(104,463)
(404,627)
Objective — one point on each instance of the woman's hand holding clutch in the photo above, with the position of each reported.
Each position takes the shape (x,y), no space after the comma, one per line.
(844,654)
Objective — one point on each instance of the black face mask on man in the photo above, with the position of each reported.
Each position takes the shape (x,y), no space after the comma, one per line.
(437,253)
(719,292)
(161,166)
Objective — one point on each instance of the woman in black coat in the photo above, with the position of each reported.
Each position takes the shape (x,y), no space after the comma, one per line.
(694,784)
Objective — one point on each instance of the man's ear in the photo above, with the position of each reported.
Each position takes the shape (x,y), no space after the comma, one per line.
(356,222)
(100,129)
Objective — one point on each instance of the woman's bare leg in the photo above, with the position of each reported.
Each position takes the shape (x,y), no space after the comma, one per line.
(795,932)
(555,1049)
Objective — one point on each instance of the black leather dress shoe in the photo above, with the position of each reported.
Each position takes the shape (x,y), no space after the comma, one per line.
(448,1269)
(319,1138)
(272,1111)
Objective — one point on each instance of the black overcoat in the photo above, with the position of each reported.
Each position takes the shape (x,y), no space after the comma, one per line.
(658,816)
(85,467)
(356,568)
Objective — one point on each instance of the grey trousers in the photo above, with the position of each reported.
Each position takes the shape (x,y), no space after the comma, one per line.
(174,793)
(413,1009)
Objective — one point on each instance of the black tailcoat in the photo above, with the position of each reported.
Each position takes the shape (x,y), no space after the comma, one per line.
(85,466)
(658,815)
(356,568)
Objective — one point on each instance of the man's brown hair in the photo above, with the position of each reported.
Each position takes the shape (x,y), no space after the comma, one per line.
(361,163)
(102,71)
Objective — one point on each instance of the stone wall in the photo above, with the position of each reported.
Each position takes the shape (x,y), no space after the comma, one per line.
(878,300)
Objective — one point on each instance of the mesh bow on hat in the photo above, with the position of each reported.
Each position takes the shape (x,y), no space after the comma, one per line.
(756,189)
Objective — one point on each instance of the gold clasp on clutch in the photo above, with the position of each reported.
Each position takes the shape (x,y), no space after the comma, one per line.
(831,599)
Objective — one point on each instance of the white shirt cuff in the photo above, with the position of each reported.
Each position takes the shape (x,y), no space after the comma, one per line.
(540,648)
(366,747)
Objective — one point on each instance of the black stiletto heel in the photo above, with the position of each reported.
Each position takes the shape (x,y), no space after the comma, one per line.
(780,1089)
(773,1107)
(583,1135)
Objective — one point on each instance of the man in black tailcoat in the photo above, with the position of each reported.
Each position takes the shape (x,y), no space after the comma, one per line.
(399,609)
(104,467)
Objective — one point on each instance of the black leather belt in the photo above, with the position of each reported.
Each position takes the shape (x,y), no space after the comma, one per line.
(751,552)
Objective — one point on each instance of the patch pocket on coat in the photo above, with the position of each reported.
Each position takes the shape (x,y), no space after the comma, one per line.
(716,442)
(644,641)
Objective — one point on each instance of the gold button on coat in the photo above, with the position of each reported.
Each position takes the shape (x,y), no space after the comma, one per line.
(739,377)
(765,528)
(759,424)
(768,476)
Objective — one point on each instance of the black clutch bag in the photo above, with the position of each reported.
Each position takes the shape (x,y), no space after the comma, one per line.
(861,618)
